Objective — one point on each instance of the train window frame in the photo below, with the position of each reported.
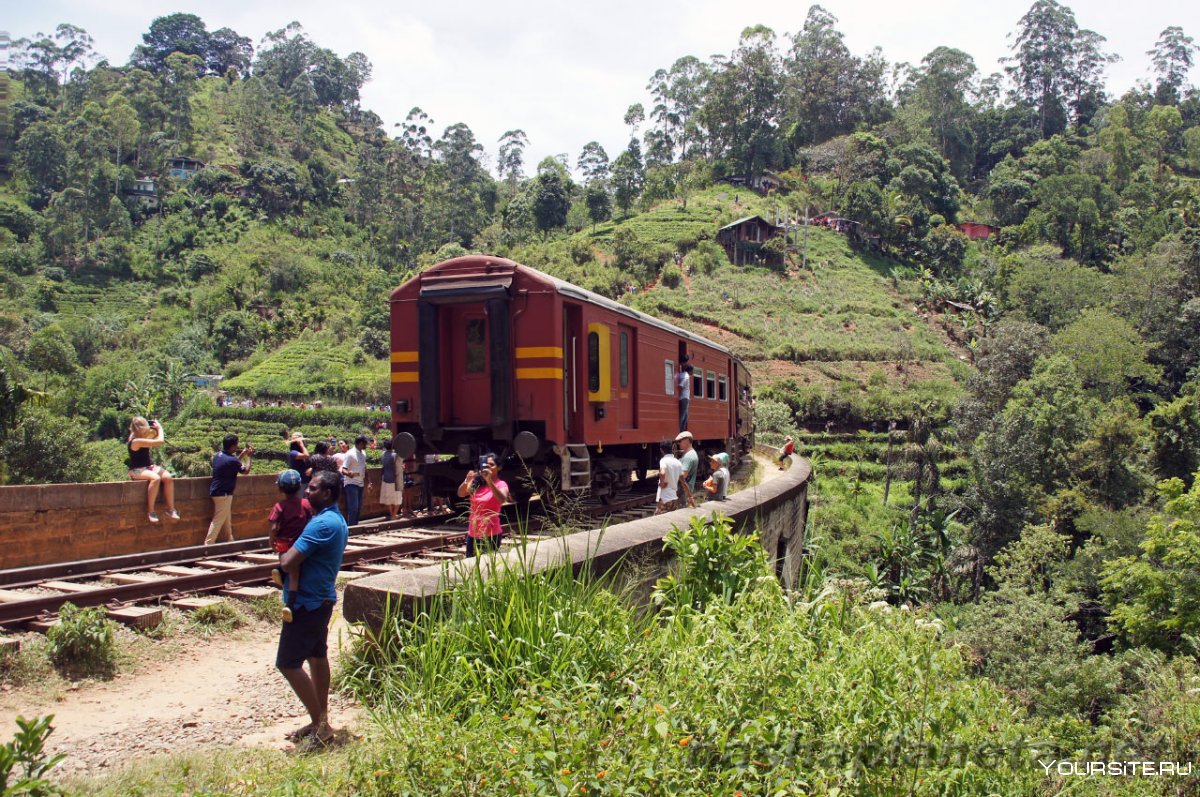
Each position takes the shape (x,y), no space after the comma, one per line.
(710,385)
(698,383)
(669,375)
(475,351)
(722,387)
(623,359)
(593,361)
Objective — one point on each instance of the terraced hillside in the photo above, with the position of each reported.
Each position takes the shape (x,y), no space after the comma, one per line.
(841,340)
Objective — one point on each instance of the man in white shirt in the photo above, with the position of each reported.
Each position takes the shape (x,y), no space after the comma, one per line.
(669,471)
(683,382)
(354,473)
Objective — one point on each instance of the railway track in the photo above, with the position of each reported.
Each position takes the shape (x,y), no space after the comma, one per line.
(33,596)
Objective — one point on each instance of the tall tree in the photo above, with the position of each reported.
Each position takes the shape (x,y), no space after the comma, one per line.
(229,51)
(41,158)
(1057,68)
(628,177)
(510,166)
(593,162)
(743,109)
(678,95)
(1172,57)
(599,203)
(942,88)
(551,196)
(830,91)
(46,61)
(459,164)
(174,33)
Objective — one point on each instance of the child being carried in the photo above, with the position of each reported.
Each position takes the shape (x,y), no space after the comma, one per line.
(288,518)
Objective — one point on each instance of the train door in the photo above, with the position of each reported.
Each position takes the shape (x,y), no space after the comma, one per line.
(627,392)
(467,381)
(572,346)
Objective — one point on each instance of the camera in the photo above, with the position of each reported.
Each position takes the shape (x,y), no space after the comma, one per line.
(479,480)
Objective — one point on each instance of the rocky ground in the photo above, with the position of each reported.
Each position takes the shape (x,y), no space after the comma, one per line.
(223,691)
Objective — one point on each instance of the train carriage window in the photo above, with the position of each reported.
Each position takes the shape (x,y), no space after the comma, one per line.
(712,385)
(623,359)
(593,344)
(669,377)
(722,388)
(698,383)
(476,362)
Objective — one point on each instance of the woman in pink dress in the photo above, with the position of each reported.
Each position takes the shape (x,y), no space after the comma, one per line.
(488,493)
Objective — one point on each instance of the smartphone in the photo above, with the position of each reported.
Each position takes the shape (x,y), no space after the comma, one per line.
(483,461)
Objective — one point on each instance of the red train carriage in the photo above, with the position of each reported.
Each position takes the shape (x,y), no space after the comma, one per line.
(490,355)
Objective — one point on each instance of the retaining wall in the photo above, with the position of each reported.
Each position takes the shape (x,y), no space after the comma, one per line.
(51,523)
(778,509)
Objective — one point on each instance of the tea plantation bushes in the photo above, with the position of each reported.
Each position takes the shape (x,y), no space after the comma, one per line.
(195,437)
(315,367)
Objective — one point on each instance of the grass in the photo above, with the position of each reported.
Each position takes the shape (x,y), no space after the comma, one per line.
(219,617)
(549,686)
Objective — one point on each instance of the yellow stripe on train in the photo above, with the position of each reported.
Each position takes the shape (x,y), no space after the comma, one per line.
(539,373)
(529,352)
(404,356)
(405,376)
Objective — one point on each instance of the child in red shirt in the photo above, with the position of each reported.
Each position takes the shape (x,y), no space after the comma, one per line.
(288,518)
(786,452)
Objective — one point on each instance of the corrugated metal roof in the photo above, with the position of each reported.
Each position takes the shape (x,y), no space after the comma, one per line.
(751,218)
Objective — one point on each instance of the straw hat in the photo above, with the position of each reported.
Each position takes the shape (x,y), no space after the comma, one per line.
(296,437)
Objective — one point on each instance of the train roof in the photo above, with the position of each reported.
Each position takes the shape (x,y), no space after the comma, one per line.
(566,289)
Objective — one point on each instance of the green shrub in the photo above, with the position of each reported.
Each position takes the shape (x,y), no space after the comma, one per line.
(711,563)
(82,641)
(671,277)
(24,763)
(223,616)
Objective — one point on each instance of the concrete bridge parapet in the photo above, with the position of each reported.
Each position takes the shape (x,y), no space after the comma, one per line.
(777,509)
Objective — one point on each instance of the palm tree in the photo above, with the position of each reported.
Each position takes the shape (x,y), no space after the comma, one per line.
(13,397)
(174,382)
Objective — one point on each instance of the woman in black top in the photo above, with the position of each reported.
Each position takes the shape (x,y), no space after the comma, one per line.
(143,436)
(322,461)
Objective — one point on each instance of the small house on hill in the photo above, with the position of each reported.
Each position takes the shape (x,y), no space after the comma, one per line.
(977,231)
(182,167)
(743,240)
(143,190)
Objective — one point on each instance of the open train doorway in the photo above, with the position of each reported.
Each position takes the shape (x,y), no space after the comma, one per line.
(572,346)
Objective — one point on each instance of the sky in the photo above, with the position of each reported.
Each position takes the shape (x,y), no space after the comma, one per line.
(565,72)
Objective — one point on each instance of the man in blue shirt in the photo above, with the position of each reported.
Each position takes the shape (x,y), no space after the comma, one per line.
(226,466)
(318,556)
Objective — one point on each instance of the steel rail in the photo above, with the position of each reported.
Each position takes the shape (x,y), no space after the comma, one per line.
(42,605)
(34,575)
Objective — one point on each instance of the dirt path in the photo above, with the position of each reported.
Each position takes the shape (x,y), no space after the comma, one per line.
(218,691)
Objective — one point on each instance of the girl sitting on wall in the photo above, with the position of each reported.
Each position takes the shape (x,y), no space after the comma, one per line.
(143,436)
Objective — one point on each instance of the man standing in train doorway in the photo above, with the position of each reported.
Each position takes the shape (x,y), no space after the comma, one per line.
(683,381)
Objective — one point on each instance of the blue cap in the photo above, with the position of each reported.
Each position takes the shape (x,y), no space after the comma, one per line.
(289,479)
